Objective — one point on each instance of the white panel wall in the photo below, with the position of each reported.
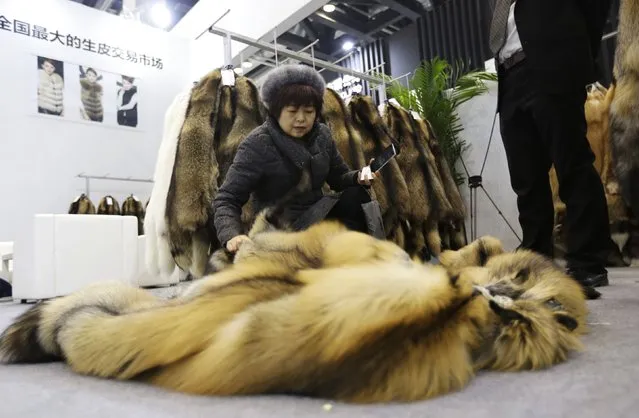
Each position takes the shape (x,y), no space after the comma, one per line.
(477,119)
(40,155)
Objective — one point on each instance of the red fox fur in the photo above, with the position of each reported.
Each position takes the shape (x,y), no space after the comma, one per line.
(356,321)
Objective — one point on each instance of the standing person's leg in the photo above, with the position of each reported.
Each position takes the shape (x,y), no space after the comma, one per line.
(528,160)
(562,123)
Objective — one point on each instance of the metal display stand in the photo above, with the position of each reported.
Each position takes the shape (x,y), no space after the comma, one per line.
(88,178)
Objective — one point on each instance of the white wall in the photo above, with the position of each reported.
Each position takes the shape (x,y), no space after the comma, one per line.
(256,19)
(40,155)
(477,118)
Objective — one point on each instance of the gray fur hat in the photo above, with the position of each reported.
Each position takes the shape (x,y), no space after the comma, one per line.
(290,74)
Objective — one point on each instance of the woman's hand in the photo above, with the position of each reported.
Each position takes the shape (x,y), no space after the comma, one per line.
(234,243)
(366,176)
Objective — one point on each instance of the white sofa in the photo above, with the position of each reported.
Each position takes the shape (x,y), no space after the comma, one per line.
(63,253)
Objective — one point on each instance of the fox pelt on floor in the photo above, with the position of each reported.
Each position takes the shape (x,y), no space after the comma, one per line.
(624,108)
(366,326)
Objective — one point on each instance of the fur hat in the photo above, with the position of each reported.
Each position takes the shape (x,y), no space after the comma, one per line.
(290,74)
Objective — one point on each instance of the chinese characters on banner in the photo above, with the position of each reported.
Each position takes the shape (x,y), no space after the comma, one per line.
(72,41)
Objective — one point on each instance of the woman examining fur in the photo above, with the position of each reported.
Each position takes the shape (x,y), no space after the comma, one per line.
(270,161)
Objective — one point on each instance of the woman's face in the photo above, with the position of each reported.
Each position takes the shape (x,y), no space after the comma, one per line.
(297,121)
(91,76)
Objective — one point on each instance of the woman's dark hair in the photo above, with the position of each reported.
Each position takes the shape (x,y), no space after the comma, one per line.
(91,70)
(129,79)
(296,95)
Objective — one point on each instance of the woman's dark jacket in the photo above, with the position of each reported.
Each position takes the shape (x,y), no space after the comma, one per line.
(268,163)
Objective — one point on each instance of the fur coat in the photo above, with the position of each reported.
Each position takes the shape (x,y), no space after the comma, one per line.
(91,96)
(50,92)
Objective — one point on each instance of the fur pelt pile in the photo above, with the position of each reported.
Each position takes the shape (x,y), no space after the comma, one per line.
(421,205)
(108,205)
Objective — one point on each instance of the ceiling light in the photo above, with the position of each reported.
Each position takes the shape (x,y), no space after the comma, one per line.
(247,64)
(348,45)
(161,14)
(329,8)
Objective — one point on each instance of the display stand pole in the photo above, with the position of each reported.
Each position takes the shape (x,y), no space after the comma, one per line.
(475,182)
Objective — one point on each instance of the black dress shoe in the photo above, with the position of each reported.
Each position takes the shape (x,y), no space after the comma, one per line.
(589,278)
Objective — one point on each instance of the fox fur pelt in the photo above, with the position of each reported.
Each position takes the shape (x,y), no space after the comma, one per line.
(329,313)
(348,141)
(82,205)
(158,257)
(132,206)
(108,206)
(624,108)
(194,181)
(452,225)
(412,161)
(390,187)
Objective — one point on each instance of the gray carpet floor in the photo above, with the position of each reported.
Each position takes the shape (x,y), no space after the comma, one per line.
(600,382)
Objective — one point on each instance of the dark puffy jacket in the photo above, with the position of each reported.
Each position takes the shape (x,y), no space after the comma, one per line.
(268,164)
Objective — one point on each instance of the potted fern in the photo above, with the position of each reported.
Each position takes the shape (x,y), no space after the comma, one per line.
(435,91)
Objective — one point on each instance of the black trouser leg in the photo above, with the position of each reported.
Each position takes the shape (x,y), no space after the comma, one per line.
(538,129)
(528,162)
(348,209)
(562,123)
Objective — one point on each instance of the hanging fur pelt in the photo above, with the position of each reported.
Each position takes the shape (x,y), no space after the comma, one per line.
(82,205)
(195,178)
(159,260)
(349,143)
(624,109)
(132,206)
(108,206)
(412,162)
(390,187)
(452,224)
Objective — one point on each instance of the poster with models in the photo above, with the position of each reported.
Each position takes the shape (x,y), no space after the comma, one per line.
(50,89)
(85,93)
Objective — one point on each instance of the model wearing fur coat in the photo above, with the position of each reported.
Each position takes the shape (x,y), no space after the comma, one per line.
(50,90)
(91,96)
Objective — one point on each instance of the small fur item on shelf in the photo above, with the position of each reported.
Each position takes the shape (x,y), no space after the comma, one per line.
(82,205)
(108,206)
(132,206)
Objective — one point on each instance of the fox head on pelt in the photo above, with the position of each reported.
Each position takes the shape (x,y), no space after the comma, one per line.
(538,313)
(526,333)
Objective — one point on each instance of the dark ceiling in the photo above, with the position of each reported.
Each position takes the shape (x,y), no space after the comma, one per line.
(356,21)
